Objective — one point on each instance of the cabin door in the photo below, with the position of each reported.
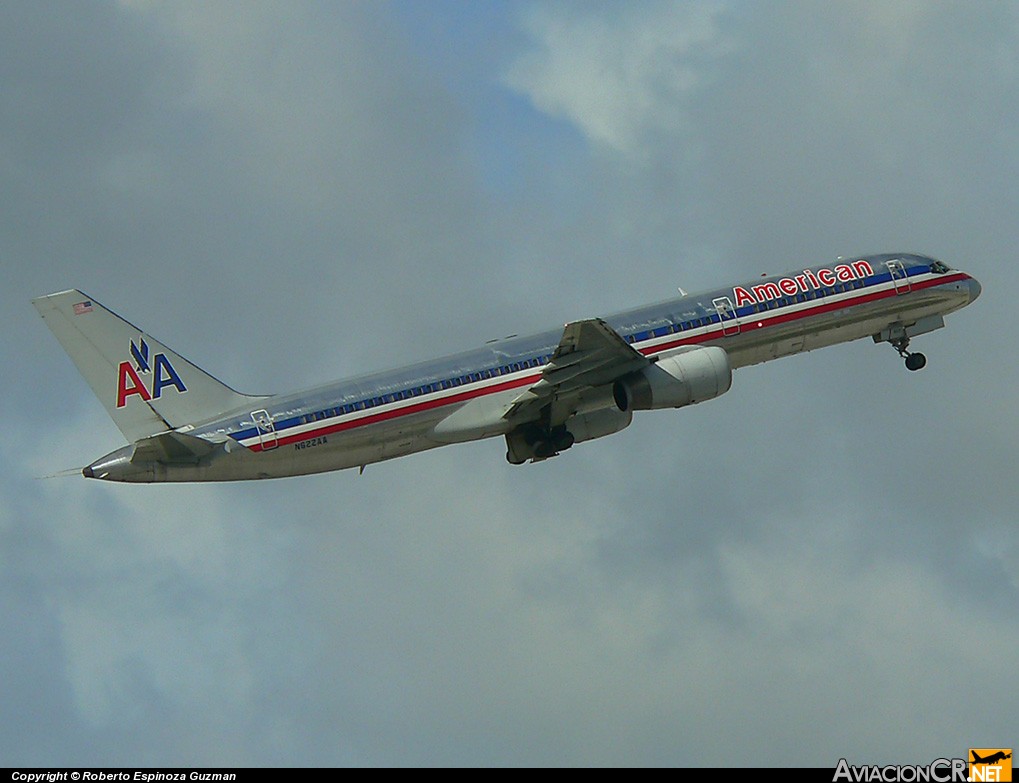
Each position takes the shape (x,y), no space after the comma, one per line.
(899,277)
(266,429)
(726,315)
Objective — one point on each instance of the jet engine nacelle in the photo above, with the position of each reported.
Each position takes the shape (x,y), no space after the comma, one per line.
(680,379)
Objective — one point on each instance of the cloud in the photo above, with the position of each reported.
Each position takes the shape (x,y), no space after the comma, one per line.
(618,75)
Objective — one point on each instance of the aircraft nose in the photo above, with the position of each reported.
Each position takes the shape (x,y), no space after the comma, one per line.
(974,289)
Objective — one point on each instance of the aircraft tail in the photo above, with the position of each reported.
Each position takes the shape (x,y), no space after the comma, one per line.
(144,386)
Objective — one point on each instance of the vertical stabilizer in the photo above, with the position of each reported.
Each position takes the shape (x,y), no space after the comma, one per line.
(144,386)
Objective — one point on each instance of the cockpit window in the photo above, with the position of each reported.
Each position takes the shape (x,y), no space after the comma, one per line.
(940,268)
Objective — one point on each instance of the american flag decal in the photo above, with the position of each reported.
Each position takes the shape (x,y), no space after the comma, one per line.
(83,307)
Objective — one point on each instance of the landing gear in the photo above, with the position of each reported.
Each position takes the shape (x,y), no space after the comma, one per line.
(914,361)
(561,438)
(897,335)
(544,449)
(536,443)
(548,443)
(513,459)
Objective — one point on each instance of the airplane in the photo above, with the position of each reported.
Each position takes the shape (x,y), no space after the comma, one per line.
(542,393)
(992,759)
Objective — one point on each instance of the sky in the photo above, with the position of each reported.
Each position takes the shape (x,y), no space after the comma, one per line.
(820,564)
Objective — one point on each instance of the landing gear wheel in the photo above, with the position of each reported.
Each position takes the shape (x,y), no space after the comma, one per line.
(544,450)
(561,438)
(915,361)
(513,460)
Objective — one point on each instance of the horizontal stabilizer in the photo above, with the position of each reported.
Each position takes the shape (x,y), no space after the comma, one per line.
(171,447)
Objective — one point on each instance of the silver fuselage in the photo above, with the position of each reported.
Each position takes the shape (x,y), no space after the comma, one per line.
(367,419)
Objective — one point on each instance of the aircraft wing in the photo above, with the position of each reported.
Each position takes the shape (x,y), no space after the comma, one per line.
(590,354)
